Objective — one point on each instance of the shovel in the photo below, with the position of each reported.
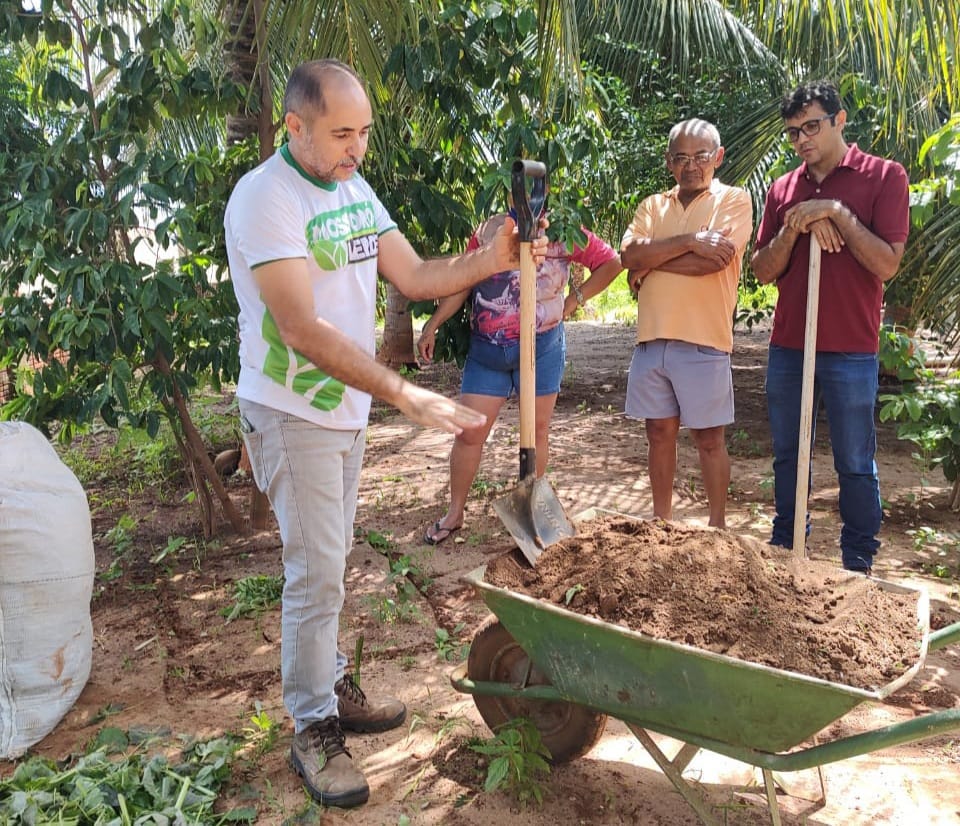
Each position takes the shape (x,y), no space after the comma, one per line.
(531,513)
(806,398)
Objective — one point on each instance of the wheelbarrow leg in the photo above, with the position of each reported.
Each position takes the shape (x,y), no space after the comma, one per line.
(772,780)
(685,755)
(696,800)
(789,786)
(673,769)
(771,789)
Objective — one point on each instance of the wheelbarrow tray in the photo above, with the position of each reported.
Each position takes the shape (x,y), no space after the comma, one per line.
(682,691)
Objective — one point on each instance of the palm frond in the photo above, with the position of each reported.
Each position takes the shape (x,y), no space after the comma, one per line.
(682,34)
(905,49)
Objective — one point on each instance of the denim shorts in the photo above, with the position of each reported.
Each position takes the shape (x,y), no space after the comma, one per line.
(671,378)
(494,370)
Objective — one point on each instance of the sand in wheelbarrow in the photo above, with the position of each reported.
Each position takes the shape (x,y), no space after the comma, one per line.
(731,595)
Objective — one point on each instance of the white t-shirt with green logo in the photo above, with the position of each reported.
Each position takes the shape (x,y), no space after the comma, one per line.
(277,211)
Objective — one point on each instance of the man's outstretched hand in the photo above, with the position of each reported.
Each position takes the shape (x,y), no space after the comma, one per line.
(433,410)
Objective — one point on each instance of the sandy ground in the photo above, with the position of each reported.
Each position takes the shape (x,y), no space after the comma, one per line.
(164,657)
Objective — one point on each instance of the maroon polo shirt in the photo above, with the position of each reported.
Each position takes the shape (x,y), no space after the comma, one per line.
(877,192)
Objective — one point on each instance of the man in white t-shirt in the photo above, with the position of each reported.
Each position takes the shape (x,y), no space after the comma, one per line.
(306,236)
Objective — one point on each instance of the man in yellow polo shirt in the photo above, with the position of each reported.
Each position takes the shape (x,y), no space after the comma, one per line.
(683,249)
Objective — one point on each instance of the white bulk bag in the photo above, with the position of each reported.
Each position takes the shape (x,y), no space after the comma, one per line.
(46,580)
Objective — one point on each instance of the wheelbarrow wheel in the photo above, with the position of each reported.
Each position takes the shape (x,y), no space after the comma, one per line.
(568,730)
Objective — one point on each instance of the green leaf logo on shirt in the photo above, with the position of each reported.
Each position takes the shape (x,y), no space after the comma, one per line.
(287,367)
(331,235)
(329,255)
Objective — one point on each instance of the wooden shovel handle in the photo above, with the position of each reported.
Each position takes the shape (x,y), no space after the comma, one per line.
(528,205)
(806,398)
(528,361)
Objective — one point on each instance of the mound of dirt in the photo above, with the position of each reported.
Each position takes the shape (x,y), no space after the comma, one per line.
(727,594)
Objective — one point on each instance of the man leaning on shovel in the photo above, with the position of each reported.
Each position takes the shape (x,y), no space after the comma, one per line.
(856,206)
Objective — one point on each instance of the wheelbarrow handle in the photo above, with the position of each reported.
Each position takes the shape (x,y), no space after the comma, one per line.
(943,637)
(528,205)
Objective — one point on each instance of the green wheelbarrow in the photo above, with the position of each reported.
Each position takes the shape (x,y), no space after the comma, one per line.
(568,672)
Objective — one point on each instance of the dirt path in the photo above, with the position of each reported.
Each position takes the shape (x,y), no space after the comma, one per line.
(164,657)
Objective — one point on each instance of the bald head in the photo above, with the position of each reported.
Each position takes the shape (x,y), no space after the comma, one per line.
(695,128)
(309,83)
(693,156)
(328,118)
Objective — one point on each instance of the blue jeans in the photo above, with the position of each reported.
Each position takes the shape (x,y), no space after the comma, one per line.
(846,383)
(494,369)
(311,476)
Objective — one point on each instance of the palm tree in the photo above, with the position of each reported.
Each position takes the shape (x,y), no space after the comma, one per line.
(895,60)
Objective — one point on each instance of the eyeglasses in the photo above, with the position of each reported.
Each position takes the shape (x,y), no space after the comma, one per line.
(809,128)
(700,159)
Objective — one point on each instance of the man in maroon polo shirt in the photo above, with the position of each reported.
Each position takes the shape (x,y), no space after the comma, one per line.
(856,205)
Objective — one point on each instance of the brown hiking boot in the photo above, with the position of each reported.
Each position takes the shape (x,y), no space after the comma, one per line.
(320,757)
(357,713)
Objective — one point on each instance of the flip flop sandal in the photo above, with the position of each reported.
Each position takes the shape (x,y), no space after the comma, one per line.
(432,537)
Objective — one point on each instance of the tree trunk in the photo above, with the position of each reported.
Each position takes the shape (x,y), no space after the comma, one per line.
(248,65)
(397,348)
(198,464)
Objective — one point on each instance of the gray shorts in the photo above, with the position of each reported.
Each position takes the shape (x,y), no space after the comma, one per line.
(675,378)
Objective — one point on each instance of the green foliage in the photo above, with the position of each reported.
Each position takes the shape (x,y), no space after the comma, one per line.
(482,487)
(120,536)
(928,283)
(357,658)
(173,546)
(390,610)
(923,536)
(518,759)
(615,305)
(480,77)
(100,787)
(755,302)
(899,356)
(448,648)
(939,155)
(111,248)
(743,443)
(453,336)
(132,457)
(262,732)
(927,408)
(942,547)
(378,541)
(407,578)
(477,71)
(930,418)
(253,595)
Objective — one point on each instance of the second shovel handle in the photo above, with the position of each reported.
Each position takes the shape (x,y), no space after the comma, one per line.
(806,399)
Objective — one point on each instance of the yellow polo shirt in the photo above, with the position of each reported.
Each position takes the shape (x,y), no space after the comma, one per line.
(695,309)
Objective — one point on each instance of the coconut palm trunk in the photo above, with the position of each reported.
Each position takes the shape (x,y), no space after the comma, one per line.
(248,66)
(397,348)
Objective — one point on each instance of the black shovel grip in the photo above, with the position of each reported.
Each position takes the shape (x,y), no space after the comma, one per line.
(528,205)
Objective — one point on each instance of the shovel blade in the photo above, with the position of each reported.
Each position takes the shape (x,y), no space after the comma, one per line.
(533,515)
